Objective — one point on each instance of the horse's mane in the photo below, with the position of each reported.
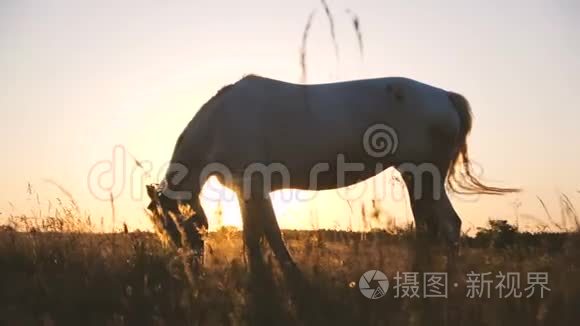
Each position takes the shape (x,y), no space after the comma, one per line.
(219,93)
(226,88)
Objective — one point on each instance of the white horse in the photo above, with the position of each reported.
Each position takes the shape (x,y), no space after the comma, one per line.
(260,135)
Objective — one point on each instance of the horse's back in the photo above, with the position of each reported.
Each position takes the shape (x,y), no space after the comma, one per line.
(263,119)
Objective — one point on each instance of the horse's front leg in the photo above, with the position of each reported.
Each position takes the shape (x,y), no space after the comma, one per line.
(252,231)
(274,235)
(263,307)
(194,230)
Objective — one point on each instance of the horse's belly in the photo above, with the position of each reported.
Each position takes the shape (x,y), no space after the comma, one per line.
(322,178)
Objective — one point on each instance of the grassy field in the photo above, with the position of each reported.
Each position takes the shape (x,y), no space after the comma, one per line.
(60,278)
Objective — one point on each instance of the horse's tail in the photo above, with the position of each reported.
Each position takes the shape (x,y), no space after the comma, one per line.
(464,182)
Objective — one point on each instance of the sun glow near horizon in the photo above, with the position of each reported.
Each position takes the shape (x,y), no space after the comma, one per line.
(79,78)
(383,197)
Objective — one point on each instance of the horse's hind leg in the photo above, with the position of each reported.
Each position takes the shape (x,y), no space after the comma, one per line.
(434,215)
(448,221)
(420,191)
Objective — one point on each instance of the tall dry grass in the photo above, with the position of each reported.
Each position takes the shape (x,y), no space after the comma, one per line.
(129,279)
(331,23)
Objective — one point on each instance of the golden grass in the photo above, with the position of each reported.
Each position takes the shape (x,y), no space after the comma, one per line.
(128,279)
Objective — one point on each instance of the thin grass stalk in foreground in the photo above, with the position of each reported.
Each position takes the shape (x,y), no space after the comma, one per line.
(548,214)
(331,24)
(141,165)
(66,193)
(568,210)
(159,229)
(356,25)
(303,47)
(113,213)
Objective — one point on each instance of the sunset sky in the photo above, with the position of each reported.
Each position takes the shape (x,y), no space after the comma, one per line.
(80,80)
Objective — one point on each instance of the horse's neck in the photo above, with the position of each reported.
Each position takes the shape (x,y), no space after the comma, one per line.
(180,183)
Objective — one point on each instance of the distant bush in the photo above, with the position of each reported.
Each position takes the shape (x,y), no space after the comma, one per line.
(498,234)
(6,228)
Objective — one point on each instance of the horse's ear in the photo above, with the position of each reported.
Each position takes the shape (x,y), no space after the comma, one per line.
(152,192)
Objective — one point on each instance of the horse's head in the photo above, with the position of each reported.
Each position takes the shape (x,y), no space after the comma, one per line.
(174,219)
